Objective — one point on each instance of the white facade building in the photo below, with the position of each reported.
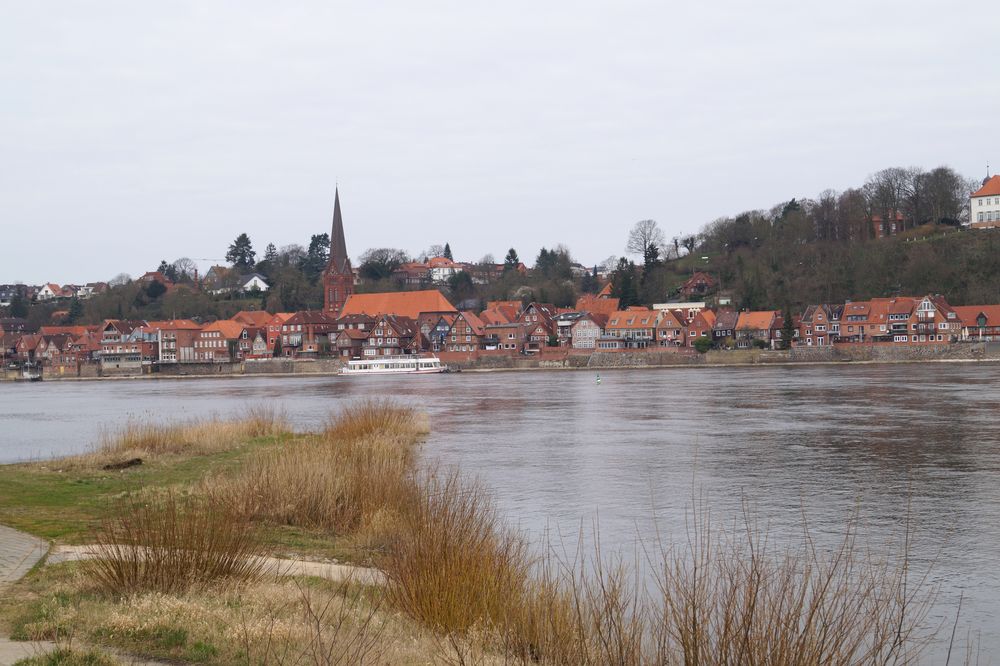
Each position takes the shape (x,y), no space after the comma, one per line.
(984,211)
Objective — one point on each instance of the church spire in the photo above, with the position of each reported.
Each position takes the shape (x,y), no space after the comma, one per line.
(339,261)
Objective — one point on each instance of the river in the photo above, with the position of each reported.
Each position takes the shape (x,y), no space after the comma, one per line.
(802,443)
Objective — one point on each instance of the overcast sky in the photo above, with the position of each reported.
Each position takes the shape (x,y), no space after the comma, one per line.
(132,132)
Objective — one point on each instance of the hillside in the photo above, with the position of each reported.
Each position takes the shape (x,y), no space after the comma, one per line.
(963,265)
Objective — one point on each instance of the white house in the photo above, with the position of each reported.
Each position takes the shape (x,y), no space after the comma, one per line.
(48,291)
(252,282)
(984,212)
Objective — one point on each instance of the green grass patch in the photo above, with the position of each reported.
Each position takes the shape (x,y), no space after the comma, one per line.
(70,657)
(64,500)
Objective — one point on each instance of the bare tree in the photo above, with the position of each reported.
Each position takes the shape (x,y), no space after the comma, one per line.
(185,268)
(488,259)
(433,251)
(119,280)
(642,235)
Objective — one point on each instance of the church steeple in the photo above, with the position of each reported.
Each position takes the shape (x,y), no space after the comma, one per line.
(338,276)
(339,261)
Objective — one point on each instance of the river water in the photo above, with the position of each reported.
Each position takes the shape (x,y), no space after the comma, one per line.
(813,444)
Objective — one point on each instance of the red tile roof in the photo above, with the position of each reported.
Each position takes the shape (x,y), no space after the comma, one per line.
(252,317)
(756,321)
(596,304)
(405,303)
(229,329)
(990,187)
(968,314)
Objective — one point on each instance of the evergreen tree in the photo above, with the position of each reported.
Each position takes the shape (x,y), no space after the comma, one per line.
(18,306)
(271,252)
(75,311)
(511,261)
(787,328)
(624,283)
(316,256)
(447,252)
(241,254)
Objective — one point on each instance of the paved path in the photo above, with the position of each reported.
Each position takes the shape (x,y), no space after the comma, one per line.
(18,553)
(273,565)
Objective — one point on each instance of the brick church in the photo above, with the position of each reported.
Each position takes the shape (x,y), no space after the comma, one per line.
(338,276)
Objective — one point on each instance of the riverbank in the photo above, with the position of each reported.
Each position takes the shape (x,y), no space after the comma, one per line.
(461,586)
(562,359)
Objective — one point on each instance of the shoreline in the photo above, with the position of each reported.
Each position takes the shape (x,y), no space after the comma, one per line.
(550,367)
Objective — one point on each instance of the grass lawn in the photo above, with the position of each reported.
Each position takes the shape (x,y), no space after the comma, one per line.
(63,500)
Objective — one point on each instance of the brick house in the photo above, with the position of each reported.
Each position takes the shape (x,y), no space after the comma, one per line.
(980,323)
(820,325)
(218,342)
(698,284)
(635,328)
(587,330)
(466,333)
(392,335)
(510,338)
(702,326)
(307,333)
(274,328)
(671,329)
(175,339)
(724,328)
(349,342)
(755,325)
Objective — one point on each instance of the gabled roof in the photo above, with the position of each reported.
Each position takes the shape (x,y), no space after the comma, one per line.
(968,314)
(310,317)
(354,333)
(252,317)
(606,292)
(493,316)
(637,319)
(403,326)
(990,188)
(590,303)
(280,317)
(756,320)
(672,319)
(404,303)
(474,322)
(229,329)
(707,318)
(509,310)
(726,320)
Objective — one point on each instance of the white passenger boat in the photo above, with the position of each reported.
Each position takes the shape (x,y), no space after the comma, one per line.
(393,365)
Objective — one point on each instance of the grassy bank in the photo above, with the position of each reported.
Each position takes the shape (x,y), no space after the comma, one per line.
(178,534)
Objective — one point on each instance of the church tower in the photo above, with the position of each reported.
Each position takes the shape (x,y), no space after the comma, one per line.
(338,276)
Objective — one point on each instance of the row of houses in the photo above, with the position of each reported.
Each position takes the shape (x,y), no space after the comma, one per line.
(388,324)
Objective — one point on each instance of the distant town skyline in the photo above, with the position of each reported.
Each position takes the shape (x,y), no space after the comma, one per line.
(134,133)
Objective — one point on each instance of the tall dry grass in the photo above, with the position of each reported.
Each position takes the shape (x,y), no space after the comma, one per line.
(727,596)
(355,476)
(453,565)
(199,436)
(171,544)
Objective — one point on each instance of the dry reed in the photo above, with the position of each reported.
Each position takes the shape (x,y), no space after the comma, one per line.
(194,437)
(354,477)
(454,565)
(170,544)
